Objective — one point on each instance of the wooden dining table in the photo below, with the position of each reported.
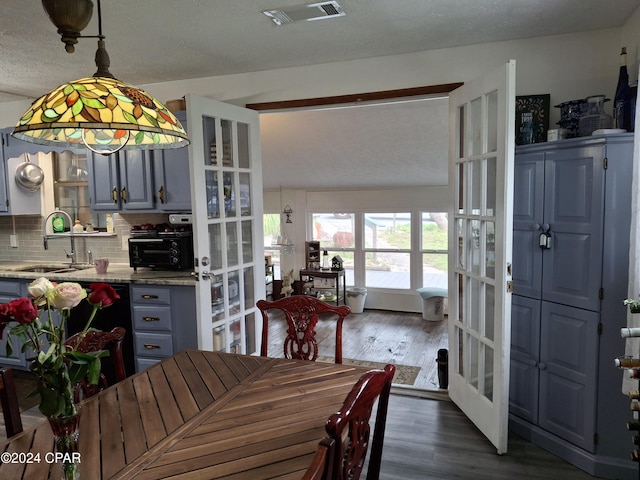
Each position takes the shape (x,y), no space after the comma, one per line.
(199,415)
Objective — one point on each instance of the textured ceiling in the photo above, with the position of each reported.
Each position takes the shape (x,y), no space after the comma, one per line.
(153,41)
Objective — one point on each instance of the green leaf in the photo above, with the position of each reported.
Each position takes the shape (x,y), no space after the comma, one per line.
(51,402)
(94,371)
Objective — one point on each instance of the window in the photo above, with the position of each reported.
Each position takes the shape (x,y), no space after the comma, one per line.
(272,236)
(434,249)
(387,247)
(386,250)
(335,232)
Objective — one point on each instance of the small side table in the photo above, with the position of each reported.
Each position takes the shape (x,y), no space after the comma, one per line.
(337,275)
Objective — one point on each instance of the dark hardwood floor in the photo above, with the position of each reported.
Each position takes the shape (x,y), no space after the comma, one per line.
(428,439)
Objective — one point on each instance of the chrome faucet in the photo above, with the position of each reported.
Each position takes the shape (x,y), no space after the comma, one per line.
(45,236)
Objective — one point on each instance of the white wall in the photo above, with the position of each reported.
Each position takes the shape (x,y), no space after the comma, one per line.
(630,38)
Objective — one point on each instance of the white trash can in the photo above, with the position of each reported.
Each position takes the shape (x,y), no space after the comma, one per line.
(355,298)
(434,303)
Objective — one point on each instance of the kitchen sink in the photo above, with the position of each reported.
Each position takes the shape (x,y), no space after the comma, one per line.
(51,268)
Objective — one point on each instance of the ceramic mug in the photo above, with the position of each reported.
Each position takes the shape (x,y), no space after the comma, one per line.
(101,265)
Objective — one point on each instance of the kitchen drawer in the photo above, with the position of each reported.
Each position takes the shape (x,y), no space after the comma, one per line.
(152,317)
(144,363)
(149,294)
(157,345)
(10,287)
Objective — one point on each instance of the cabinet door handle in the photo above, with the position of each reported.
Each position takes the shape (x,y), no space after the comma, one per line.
(161,194)
(151,319)
(148,296)
(123,194)
(114,194)
(150,346)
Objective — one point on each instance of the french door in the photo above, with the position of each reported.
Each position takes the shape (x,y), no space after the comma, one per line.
(481,153)
(226,199)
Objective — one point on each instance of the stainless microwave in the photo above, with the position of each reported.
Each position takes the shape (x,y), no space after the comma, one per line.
(161,253)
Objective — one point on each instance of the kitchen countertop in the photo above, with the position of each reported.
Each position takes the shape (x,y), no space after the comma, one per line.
(116,273)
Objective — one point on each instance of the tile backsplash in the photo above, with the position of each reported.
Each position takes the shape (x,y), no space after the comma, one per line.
(30,246)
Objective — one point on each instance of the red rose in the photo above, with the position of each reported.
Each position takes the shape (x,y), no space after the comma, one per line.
(5,313)
(102,294)
(23,310)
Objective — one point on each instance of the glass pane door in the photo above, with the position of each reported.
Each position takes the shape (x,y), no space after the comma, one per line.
(226,176)
(481,184)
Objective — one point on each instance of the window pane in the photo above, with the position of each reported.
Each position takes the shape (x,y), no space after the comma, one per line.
(488,373)
(334,230)
(387,230)
(434,270)
(492,121)
(489,311)
(211,180)
(491,187)
(434,247)
(232,244)
(434,231)
(387,270)
(476,120)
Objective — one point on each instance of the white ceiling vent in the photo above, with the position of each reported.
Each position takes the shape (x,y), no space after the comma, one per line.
(305,13)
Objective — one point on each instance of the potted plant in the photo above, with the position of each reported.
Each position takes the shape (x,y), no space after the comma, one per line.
(634,304)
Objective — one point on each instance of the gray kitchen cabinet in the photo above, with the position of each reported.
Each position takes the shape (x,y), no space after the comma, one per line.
(171,180)
(164,321)
(172,185)
(122,181)
(570,268)
(14,199)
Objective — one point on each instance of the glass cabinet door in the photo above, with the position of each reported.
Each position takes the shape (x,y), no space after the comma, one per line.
(71,187)
(226,174)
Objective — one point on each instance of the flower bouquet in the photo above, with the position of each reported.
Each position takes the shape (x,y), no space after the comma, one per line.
(40,324)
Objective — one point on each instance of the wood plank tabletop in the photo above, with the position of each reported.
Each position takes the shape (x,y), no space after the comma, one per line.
(200,415)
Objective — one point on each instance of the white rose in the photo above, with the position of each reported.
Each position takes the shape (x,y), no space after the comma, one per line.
(38,288)
(66,295)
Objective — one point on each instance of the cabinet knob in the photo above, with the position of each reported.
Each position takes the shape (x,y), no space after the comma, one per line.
(161,193)
(150,346)
(542,366)
(123,194)
(148,296)
(114,194)
(151,319)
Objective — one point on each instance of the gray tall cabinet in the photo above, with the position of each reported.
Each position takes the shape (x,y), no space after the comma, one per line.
(572,206)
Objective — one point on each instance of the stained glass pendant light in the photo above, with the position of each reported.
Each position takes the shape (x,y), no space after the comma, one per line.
(100,112)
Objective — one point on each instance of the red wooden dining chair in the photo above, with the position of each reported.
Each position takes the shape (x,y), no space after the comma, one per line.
(94,341)
(9,402)
(301,313)
(349,427)
(322,462)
